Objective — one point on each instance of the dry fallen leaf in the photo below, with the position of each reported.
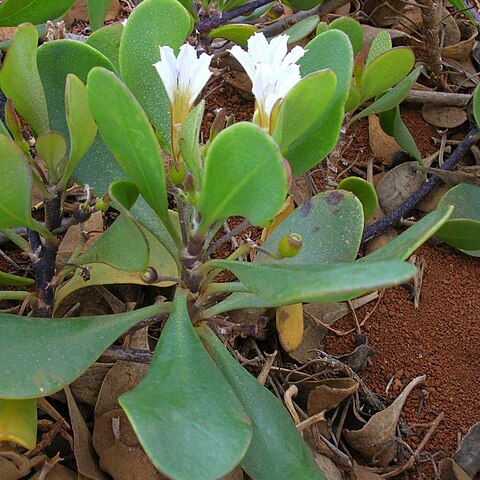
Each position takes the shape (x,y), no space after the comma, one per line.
(329,393)
(449,470)
(398,185)
(381,144)
(443,116)
(375,439)
(468,455)
(82,443)
(363,473)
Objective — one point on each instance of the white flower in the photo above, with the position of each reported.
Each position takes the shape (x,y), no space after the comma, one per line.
(183,78)
(272,70)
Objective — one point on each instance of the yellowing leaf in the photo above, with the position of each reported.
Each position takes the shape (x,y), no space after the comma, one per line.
(18,422)
(290,326)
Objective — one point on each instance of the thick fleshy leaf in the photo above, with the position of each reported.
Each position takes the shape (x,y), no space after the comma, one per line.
(184,412)
(239,300)
(392,124)
(97,9)
(392,98)
(122,246)
(15,200)
(102,274)
(244,176)
(401,247)
(289,322)
(9,279)
(332,50)
(364,191)
(39,356)
(56,60)
(316,283)
(303,4)
(354,99)
(129,135)
(18,422)
(81,125)
(238,33)
(107,41)
(476,105)
(386,70)
(302,29)
(303,105)
(152,23)
(353,29)
(325,238)
(52,147)
(277,449)
(188,140)
(20,79)
(462,230)
(380,44)
(15,12)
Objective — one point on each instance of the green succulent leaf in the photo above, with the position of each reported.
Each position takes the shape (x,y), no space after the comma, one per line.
(238,33)
(325,239)
(97,10)
(189,138)
(381,43)
(385,71)
(476,105)
(152,23)
(332,50)
(81,125)
(364,191)
(303,105)
(392,98)
(303,4)
(244,175)
(302,29)
(184,412)
(315,283)
(16,178)
(36,367)
(9,279)
(122,246)
(107,41)
(18,422)
(462,230)
(392,124)
(20,79)
(52,148)
(15,12)
(353,29)
(401,247)
(132,141)
(277,449)
(56,60)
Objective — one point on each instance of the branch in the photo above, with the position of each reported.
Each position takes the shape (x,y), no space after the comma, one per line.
(406,207)
(272,30)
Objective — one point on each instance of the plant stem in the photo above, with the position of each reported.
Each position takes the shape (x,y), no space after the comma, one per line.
(215,21)
(45,267)
(406,207)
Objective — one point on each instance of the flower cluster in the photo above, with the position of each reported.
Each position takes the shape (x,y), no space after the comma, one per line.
(183,78)
(272,70)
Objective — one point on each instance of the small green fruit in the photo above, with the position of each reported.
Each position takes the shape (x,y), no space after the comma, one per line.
(177,173)
(290,245)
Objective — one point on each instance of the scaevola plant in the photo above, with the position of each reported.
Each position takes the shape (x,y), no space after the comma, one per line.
(198,413)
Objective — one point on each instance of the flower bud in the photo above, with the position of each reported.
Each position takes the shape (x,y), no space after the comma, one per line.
(358,68)
(149,275)
(102,204)
(176,173)
(290,245)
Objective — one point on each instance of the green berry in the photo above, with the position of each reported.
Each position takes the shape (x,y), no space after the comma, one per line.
(290,245)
